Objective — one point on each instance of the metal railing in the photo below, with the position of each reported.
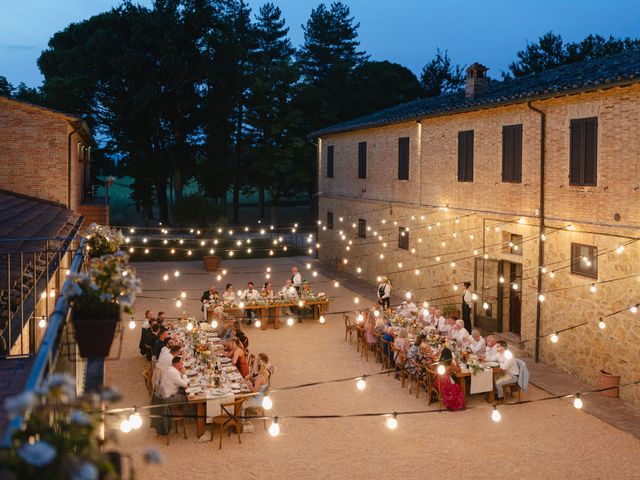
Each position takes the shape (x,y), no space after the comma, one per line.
(46,358)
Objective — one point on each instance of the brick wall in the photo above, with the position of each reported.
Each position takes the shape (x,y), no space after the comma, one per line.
(488,211)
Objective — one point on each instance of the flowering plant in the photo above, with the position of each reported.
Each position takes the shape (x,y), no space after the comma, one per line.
(60,438)
(102,239)
(110,285)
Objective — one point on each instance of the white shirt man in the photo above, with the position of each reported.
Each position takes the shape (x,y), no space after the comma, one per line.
(250,294)
(166,356)
(477,345)
(296,279)
(289,291)
(458,332)
(407,308)
(148,315)
(509,367)
(442,326)
(491,351)
(173,379)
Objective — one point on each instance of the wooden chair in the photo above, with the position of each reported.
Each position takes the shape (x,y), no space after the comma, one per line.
(349,327)
(431,390)
(386,359)
(147,375)
(230,416)
(177,417)
(401,364)
(258,412)
(420,376)
(512,388)
(362,343)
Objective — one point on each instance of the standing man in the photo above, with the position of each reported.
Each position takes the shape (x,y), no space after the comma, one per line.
(384,293)
(296,280)
(467,303)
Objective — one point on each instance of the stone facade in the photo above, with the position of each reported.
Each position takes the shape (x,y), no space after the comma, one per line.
(477,220)
(34,148)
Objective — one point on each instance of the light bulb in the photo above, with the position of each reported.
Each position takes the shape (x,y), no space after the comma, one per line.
(214,323)
(361,384)
(602,325)
(392,422)
(289,321)
(440,369)
(515,286)
(360,318)
(508,355)
(52,293)
(189,326)
(620,249)
(593,288)
(336,284)
(178,303)
(541,298)
(135,420)
(224,271)
(408,295)
(495,415)
(453,264)
(543,270)
(376,313)
(42,323)
(356,300)
(474,297)
(300,303)
(359,270)
(176,273)
(485,305)
(416,271)
(322,319)
(258,324)
(219,277)
(183,295)
(241,305)
(455,288)
(165,277)
(425,304)
(132,324)
(274,429)
(267,403)
(554,338)
(633,309)
(501,279)
(125,426)
(577,402)
(552,274)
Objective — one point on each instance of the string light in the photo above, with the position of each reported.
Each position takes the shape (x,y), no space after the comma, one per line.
(176,274)
(132,324)
(485,305)
(274,429)
(620,249)
(360,318)
(189,326)
(601,324)
(183,295)
(634,309)
(554,338)
(267,403)
(474,297)
(42,323)
(441,370)
(290,321)
(593,288)
(495,414)
(258,323)
(361,384)
(178,303)
(336,284)
(214,323)
(125,426)
(541,298)
(392,421)
(322,320)
(577,402)
(356,300)
(135,420)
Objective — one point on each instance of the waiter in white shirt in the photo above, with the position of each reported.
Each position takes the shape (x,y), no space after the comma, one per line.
(296,280)
(384,293)
(173,380)
(467,304)
(509,368)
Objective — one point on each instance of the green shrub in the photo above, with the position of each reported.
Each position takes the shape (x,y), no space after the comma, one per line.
(196,211)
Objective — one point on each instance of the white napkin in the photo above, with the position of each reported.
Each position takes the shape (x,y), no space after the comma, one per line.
(482,381)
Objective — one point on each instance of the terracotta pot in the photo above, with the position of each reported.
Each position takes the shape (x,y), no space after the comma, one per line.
(211,262)
(610,381)
(95,335)
(340,266)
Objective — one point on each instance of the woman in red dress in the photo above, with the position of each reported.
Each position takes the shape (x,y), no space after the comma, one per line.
(449,391)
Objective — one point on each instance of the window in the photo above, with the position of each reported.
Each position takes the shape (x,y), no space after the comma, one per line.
(330,161)
(583,151)
(465,156)
(403,158)
(512,153)
(330,220)
(362,228)
(403,238)
(362,160)
(584,260)
(515,244)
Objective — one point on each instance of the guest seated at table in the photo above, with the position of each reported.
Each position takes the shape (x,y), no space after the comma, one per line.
(389,337)
(475,343)
(407,308)
(509,368)
(238,357)
(167,355)
(239,334)
(161,319)
(229,296)
(248,296)
(267,291)
(451,394)
(148,339)
(414,354)
(380,324)
(174,381)
(225,328)
(446,328)
(148,315)
(491,350)
(163,337)
(440,322)
(458,333)
(289,292)
(369,331)
(402,342)
(209,296)
(257,384)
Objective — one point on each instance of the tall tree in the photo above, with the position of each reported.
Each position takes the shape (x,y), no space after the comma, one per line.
(551,51)
(440,76)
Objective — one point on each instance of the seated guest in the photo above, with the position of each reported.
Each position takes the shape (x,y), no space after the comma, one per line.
(389,339)
(450,392)
(402,342)
(509,368)
(209,296)
(225,328)
(148,315)
(167,355)
(414,355)
(431,318)
(380,326)
(239,334)
(151,339)
(445,329)
(458,333)
(369,331)
(289,292)
(476,343)
(238,357)
(249,295)
(407,308)
(257,383)
(229,296)
(440,322)
(161,318)
(163,337)
(174,381)
(491,350)
(267,291)
(147,339)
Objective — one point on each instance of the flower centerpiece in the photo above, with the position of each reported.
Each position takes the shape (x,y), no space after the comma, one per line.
(61,435)
(102,240)
(98,296)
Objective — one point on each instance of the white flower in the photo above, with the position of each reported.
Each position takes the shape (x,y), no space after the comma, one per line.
(37,454)
(63,382)
(19,404)
(80,418)
(152,456)
(84,471)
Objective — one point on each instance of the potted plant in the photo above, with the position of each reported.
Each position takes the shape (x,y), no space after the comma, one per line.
(339,264)
(101,240)
(97,297)
(60,437)
(211,262)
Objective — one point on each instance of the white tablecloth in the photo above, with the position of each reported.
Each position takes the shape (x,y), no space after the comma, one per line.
(213,404)
(482,381)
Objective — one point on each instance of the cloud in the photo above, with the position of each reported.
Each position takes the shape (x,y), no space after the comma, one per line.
(13,48)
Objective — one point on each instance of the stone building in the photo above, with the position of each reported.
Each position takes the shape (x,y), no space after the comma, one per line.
(530,189)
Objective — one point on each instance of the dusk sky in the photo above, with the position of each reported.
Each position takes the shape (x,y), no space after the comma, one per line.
(402,31)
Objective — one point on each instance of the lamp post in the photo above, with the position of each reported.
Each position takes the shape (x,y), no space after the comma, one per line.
(108,181)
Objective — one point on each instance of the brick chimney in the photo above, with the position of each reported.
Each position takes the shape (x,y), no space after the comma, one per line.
(477,80)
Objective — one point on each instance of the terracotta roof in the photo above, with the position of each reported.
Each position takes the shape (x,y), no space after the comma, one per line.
(623,68)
